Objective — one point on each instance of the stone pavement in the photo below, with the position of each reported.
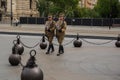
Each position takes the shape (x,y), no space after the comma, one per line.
(90,62)
(71,30)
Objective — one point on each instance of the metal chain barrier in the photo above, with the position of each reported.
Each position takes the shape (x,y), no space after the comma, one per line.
(63,44)
(66,43)
(29,46)
(53,43)
(97,43)
(69,42)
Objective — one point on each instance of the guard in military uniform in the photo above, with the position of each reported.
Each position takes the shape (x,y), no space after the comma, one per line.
(49,32)
(60,32)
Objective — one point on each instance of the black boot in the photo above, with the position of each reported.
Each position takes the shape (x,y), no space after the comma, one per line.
(59,49)
(62,49)
(48,51)
(52,48)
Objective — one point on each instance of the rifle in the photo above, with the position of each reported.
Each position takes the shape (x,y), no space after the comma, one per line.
(51,25)
(61,26)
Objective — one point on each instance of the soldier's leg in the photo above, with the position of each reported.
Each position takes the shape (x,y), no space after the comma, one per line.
(61,49)
(52,47)
(48,50)
(59,44)
(49,47)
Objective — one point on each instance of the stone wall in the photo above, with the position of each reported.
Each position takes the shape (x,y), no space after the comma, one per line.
(21,8)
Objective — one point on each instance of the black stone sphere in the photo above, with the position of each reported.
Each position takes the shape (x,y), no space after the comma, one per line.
(117,44)
(19,47)
(43,45)
(77,43)
(32,74)
(14,59)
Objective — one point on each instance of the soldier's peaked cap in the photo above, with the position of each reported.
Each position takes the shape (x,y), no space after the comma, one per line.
(62,14)
(50,15)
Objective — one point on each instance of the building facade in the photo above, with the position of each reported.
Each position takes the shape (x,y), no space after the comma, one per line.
(88,3)
(3,7)
(20,8)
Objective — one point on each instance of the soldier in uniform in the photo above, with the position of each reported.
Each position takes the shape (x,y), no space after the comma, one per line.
(60,32)
(49,32)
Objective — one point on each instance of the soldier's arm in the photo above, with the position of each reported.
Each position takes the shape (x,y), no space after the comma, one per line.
(45,29)
(46,24)
(64,28)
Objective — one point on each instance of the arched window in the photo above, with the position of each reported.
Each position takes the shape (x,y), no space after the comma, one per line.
(30,4)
